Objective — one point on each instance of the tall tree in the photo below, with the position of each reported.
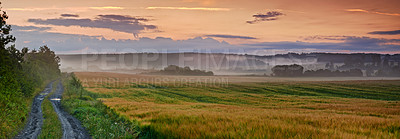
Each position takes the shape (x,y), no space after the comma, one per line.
(8,62)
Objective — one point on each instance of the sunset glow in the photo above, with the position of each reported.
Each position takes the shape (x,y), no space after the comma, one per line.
(269,24)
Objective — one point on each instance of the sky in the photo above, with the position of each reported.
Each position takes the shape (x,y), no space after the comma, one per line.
(261,27)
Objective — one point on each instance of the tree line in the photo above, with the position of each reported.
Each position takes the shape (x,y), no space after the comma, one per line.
(176,70)
(298,71)
(22,71)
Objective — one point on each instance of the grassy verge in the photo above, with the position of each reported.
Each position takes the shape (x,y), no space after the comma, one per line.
(51,126)
(98,119)
(13,116)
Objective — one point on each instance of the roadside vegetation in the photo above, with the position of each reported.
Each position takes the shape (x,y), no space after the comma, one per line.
(23,73)
(332,109)
(51,126)
(97,118)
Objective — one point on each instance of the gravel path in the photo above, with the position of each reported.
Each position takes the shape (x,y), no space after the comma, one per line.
(72,128)
(33,127)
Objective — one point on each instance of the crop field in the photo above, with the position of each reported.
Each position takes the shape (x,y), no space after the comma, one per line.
(251,107)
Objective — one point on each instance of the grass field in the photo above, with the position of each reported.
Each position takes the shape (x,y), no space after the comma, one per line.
(242,107)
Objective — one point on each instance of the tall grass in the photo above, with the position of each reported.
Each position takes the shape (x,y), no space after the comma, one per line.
(13,116)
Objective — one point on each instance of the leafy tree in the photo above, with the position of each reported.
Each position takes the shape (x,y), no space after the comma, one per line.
(337,73)
(8,63)
(20,73)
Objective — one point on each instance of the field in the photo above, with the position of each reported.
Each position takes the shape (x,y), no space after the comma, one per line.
(251,107)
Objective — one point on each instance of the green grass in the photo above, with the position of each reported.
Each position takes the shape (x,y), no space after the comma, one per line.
(51,125)
(101,121)
(98,119)
(13,116)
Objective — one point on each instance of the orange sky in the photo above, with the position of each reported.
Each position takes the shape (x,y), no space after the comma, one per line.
(184,19)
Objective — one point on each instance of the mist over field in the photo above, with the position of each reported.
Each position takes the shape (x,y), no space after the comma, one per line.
(222,64)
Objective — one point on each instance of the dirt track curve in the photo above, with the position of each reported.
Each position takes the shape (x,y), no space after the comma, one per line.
(72,128)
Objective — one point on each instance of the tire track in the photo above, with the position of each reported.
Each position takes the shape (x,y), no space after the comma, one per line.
(71,126)
(33,127)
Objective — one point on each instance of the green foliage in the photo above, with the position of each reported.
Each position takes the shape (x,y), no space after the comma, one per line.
(21,73)
(10,92)
(101,121)
(75,82)
(8,64)
(75,85)
(38,62)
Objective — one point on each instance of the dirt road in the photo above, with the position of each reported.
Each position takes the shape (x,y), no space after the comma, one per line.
(72,128)
(33,127)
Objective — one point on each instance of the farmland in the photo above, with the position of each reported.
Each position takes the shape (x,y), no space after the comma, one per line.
(251,107)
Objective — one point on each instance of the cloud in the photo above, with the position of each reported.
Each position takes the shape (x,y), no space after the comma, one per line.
(29,28)
(269,16)
(350,43)
(33,37)
(394,32)
(373,12)
(229,36)
(107,8)
(30,9)
(69,15)
(330,38)
(64,43)
(65,8)
(123,17)
(188,8)
(122,23)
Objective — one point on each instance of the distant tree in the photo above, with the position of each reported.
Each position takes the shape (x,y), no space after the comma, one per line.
(385,64)
(288,70)
(330,66)
(171,68)
(369,71)
(337,73)
(389,72)
(355,73)
(176,70)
